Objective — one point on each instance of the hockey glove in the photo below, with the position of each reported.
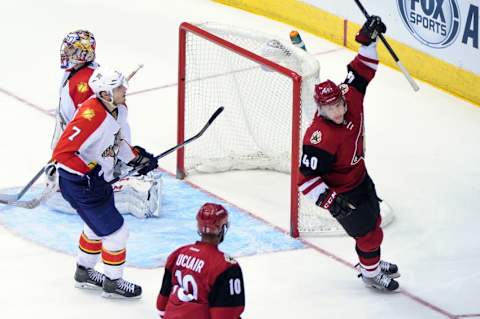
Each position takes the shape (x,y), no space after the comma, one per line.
(51,173)
(370,30)
(144,161)
(337,204)
(94,180)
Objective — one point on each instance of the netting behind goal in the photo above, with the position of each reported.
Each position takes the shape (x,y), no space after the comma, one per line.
(266,88)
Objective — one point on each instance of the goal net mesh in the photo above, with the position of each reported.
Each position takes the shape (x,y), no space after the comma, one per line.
(255,129)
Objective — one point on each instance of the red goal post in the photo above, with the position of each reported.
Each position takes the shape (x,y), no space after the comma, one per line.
(266,86)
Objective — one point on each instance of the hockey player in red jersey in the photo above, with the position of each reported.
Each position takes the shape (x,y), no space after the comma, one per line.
(85,156)
(200,281)
(332,169)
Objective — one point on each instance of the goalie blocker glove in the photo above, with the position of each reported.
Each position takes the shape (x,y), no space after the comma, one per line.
(370,30)
(144,160)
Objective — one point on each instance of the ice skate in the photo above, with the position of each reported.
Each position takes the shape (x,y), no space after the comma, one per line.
(120,288)
(381,281)
(88,278)
(389,269)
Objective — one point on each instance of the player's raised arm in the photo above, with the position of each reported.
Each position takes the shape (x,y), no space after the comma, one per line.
(363,67)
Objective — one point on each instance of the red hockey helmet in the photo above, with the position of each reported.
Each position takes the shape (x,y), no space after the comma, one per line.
(327,93)
(212,219)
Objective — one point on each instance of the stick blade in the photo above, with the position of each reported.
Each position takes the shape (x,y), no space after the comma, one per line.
(8,198)
(216,114)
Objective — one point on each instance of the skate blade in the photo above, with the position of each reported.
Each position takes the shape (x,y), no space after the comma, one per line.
(86,285)
(382,289)
(393,276)
(110,295)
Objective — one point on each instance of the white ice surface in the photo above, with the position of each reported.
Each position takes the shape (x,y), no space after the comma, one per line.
(422,153)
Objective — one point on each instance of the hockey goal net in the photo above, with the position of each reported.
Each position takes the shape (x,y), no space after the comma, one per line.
(266,86)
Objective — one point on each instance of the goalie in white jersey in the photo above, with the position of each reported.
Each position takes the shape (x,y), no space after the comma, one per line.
(140,196)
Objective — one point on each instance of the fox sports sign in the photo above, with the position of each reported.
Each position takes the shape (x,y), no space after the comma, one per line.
(434,23)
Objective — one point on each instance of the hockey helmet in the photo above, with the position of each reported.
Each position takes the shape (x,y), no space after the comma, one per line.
(327,93)
(105,80)
(212,219)
(77,47)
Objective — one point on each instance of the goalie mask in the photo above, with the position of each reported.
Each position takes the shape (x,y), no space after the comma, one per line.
(77,47)
(212,219)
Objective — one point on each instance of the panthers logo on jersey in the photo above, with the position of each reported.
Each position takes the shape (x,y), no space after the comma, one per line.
(88,114)
(109,152)
(82,87)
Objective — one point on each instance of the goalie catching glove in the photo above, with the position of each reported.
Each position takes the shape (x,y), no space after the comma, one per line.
(370,30)
(144,162)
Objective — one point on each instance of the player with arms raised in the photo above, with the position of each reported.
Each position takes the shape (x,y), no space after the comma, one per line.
(200,281)
(333,171)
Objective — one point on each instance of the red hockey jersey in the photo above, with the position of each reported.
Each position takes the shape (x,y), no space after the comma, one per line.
(74,90)
(201,282)
(333,154)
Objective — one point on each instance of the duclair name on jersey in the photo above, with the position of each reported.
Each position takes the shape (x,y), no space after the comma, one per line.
(190,262)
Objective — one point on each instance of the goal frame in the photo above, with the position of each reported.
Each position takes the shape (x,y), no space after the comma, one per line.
(296,79)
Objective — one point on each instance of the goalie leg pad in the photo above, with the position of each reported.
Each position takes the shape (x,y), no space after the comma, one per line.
(139,196)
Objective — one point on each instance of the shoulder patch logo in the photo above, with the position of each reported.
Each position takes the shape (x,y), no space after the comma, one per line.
(88,114)
(82,87)
(229,259)
(344,88)
(316,137)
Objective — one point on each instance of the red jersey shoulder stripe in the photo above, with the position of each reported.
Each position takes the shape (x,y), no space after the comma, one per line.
(86,121)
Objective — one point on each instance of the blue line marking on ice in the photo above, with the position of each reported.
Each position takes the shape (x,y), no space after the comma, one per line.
(152,239)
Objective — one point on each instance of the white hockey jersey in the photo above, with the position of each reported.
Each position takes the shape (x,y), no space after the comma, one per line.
(92,137)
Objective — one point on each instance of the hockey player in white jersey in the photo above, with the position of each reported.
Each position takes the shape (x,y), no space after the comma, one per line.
(140,196)
(85,155)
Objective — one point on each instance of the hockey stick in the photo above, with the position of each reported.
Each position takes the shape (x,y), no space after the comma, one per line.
(390,50)
(14,199)
(30,204)
(134,72)
(11,198)
(176,147)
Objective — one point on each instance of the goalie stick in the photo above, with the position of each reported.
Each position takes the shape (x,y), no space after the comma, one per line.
(176,147)
(14,199)
(10,199)
(390,50)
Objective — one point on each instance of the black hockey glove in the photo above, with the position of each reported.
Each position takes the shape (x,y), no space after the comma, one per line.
(51,173)
(370,30)
(145,161)
(337,204)
(95,181)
